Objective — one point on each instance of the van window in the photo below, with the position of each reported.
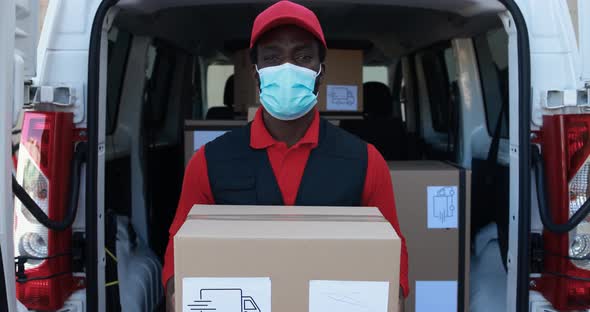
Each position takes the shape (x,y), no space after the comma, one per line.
(376,73)
(118,51)
(439,70)
(492,57)
(217,76)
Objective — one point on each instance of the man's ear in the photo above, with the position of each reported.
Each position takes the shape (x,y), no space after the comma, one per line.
(320,79)
(321,75)
(255,75)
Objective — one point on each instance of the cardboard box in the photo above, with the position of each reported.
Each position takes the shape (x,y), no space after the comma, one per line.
(341,90)
(293,258)
(433,207)
(342,87)
(245,86)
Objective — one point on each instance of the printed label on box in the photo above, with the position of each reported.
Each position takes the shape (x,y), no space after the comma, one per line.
(226,294)
(442,207)
(440,296)
(342,98)
(348,296)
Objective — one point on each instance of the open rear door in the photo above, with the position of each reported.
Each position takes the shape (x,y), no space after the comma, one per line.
(583,37)
(19,29)
(3,295)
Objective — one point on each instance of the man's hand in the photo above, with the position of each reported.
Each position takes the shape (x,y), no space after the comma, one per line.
(170,299)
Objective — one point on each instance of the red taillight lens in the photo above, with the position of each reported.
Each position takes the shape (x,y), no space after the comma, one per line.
(566,151)
(43,170)
(578,143)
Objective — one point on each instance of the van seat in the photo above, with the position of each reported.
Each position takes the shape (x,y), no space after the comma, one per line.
(379,127)
(487,275)
(226,111)
(139,270)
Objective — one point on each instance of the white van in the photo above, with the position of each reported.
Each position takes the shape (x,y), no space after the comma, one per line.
(98,100)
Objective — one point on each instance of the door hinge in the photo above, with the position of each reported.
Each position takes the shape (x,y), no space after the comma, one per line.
(555,99)
(67,97)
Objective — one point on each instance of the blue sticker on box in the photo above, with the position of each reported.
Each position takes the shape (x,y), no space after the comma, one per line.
(440,296)
(442,205)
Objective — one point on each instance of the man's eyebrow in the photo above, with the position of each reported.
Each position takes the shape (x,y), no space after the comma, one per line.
(303,47)
(273,47)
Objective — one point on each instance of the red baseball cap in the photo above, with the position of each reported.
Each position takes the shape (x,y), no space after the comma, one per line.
(286,13)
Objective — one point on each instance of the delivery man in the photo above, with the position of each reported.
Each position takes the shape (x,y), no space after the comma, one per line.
(288,155)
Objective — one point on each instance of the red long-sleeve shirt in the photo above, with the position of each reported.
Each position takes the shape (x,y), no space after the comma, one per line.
(288,164)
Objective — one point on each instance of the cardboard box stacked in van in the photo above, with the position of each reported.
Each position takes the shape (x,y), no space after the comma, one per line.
(286,259)
(433,207)
(341,90)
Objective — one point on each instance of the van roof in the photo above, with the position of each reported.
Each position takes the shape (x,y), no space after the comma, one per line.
(461,7)
(384,32)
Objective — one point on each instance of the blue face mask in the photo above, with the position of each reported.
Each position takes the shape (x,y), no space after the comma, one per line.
(286,91)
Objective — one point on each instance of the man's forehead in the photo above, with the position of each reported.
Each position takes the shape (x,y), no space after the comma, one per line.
(289,34)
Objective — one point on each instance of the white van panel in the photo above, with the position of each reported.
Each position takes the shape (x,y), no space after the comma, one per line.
(472,106)
(7,37)
(514,116)
(18,35)
(27,30)
(128,136)
(584,37)
(63,46)
(555,62)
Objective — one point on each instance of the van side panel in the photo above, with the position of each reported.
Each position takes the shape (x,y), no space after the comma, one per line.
(7,34)
(554,53)
(63,46)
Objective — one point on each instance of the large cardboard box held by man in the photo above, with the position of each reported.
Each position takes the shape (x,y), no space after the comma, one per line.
(433,206)
(341,90)
(293,259)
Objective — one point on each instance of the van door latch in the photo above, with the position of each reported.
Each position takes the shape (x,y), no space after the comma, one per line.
(555,99)
(65,97)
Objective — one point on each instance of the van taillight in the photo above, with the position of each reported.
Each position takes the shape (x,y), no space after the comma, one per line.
(44,268)
(565,281)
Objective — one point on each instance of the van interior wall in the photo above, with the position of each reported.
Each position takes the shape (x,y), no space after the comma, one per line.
(145,151)
(385,33)
(145,148)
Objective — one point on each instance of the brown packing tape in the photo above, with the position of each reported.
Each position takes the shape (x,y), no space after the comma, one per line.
(283,217)
(283,210)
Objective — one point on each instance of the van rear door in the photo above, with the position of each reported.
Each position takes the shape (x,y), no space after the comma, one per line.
(583,37)
(18,52)
(3,296)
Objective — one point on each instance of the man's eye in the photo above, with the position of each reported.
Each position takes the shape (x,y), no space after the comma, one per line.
(270,58)
(304,59)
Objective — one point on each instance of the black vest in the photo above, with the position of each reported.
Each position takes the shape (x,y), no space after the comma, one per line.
(334,175)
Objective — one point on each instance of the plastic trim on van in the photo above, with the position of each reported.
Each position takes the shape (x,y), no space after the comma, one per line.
(524,153)
(462,252)
(3,292)
(92,261)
